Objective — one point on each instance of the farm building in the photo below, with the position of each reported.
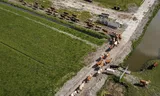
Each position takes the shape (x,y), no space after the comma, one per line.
(103,19)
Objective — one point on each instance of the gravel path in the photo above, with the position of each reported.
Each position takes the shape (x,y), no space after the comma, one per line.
(76,4)
(118,54)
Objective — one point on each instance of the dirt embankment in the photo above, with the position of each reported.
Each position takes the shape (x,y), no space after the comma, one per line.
(112,88)
(138,32)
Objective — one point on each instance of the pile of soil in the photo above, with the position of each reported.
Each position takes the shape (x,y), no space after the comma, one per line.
(114,89)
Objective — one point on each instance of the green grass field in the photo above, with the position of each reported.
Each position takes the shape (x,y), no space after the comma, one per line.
(122,3)
(95,38)
(45,3)
(36,60)
(153,89)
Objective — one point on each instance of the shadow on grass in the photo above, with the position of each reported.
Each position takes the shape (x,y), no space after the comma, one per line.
(98,59)
(107,73)
(138,85)
(124,84)
(114,66)
(150,67)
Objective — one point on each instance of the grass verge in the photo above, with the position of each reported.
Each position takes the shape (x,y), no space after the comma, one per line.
(45,3)
(153,89)
(123,4)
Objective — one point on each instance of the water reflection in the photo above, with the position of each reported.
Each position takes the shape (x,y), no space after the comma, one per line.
(149,48)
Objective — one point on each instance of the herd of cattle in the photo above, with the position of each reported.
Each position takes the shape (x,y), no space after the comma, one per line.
(105,58)
(67,16)
(102,61)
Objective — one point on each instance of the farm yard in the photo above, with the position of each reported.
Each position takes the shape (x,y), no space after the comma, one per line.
(123,4)
(37,56)
(78,17)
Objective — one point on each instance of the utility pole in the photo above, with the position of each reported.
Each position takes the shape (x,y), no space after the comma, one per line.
(123,73)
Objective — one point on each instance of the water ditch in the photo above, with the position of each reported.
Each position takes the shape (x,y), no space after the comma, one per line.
(149,47)
(55,20)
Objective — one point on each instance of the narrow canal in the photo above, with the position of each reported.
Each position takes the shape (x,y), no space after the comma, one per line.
(149,48)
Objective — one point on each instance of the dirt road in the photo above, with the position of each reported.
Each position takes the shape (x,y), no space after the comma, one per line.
(118,54)
(121,17)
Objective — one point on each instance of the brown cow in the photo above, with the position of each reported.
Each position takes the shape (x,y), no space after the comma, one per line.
(104,30)
(119,36)
(155,64)
(89,77)
(104,56)
(99,62)
(108,60)
(144,82)
(102,64)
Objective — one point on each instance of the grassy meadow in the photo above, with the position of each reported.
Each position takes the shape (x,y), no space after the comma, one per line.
(153,89)
(45,3)
(36,60)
